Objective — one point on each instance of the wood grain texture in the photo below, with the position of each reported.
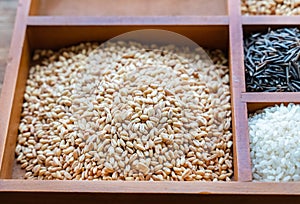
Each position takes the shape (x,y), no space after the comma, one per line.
(270,20)
(62,36)
(242,162)
(127,20)
(8,10)
(128,7)
(168,187)
(12,92)
(264,97)
(252,107)
(219,31)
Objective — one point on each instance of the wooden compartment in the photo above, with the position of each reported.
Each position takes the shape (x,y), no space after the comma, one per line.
(253,27)
(58,37)
(269,133)
(212,24)
(128,8)
(253,107)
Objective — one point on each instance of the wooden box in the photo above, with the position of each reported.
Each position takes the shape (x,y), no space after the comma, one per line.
(212,24)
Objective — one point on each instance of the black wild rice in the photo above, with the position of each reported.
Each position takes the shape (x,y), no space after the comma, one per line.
(272,61)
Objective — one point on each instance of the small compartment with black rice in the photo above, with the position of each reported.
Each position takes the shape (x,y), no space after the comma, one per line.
(272,58)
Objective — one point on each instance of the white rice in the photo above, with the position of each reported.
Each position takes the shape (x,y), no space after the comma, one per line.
(275,143)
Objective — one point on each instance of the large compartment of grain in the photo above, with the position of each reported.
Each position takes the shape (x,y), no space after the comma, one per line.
(127,110)
(212,24)
(48,75)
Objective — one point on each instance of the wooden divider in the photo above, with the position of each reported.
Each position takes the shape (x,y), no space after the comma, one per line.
(38,26)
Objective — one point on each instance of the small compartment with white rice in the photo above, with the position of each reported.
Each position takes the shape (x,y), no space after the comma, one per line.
(274,131)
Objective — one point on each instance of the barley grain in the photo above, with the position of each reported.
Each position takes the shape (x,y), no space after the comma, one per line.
(131,114)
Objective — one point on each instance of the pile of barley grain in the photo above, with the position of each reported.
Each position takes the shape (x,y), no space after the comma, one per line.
(270,7)
(126,111)
(274,142)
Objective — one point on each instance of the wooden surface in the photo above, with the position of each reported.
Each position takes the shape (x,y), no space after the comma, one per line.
(8,10)
(58,36)
(13,89)
(166,187)
(31,32)
(242,163)
(128,7)
(116,198)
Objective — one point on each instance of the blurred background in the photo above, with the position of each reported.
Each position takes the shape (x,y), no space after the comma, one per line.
(8,9)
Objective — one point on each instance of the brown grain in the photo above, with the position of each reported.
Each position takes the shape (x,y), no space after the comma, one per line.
(126,114)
